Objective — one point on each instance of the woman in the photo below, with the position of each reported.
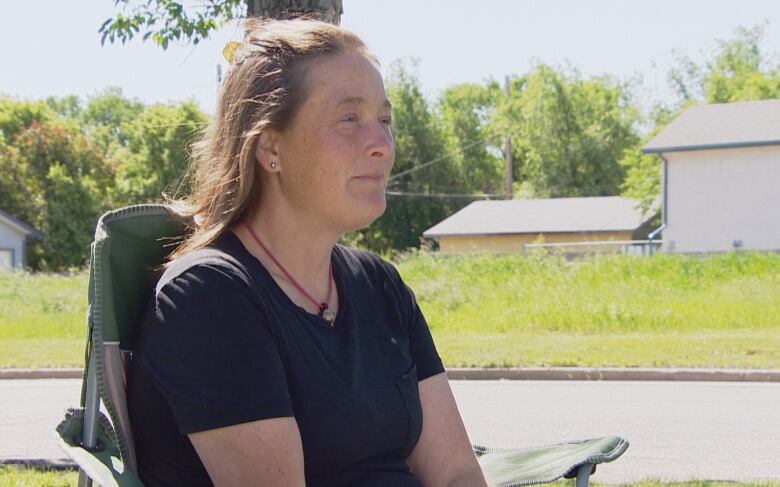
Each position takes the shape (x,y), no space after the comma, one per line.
(271,355)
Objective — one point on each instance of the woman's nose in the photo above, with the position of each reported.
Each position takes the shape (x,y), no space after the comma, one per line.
(381,143)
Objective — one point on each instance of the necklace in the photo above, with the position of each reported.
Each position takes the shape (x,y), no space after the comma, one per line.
(325,312)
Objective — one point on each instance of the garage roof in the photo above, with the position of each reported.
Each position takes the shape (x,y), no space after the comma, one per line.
(554,215)
(721,126)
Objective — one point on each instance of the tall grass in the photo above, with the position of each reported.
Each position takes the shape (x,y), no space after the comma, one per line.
(14,476)
(42,319)
(670,310)
(43,305)
(597,295)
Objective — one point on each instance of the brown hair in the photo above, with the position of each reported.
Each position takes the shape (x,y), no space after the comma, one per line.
(263,90)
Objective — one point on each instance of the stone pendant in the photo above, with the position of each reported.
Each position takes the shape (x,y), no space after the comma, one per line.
(329,316)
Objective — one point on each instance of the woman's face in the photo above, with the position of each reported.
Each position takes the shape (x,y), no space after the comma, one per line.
(336,155)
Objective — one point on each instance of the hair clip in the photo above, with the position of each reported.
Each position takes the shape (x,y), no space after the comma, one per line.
(229,51)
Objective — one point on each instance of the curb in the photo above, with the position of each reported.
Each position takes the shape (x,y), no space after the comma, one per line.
(633,374)
(41,374)
(527,373)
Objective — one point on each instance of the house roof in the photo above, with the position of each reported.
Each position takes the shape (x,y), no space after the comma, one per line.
(18,225)
(555,215)
(720,126)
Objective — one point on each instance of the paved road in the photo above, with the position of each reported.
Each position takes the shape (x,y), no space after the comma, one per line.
(677,430)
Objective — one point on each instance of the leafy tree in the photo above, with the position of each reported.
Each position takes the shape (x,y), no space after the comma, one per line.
(15,196)
(569,133)
(155,152)
(62,163)
(70,210)
(16,115)
(643,179)
(106,116)
(465,111)
(54,178)
(685,78)
(737,70)
(644,171)
(67,106)
(165,21)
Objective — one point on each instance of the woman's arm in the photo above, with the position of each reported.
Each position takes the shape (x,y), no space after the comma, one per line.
(443,456)
(267,452)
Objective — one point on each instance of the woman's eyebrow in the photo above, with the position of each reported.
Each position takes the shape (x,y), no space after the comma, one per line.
(359,100)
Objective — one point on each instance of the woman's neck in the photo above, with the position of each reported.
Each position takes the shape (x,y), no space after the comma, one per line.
(303,249)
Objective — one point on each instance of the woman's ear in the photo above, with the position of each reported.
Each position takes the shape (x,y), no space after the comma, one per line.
(266,154)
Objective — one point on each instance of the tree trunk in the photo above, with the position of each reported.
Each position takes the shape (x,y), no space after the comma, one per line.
(327,10)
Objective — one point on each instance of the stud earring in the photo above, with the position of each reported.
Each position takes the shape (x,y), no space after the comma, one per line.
(273,165)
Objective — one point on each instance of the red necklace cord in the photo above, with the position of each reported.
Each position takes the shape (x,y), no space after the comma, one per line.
(322,306)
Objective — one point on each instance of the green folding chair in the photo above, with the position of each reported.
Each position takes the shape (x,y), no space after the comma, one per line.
(129,247)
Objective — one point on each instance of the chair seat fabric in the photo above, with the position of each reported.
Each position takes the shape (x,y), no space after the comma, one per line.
(542,464)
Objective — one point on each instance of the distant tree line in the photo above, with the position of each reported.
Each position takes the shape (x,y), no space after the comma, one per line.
(63,161)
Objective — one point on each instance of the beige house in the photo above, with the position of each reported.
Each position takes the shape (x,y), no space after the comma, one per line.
(721,177)
(508,225)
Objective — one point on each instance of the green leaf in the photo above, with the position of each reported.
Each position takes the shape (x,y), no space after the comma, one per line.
(105,24)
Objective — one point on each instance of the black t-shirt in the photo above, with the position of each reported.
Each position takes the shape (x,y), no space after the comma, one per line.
(222,344)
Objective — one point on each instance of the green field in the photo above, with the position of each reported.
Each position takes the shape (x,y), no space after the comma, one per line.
(539,310)
(43,319)
(519,310)
(28,477)
(21,477)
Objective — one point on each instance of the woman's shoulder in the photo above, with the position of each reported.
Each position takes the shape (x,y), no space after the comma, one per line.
(215,266)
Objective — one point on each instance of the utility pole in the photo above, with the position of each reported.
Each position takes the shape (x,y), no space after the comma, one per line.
(508,152)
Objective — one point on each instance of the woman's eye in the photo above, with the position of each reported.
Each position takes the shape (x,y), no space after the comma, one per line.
(387,120)
(349,118)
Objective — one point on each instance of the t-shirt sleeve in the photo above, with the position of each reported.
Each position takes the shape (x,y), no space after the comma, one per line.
(421,346)
(212,353)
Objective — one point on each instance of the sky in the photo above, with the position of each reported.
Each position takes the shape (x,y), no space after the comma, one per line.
(52,48)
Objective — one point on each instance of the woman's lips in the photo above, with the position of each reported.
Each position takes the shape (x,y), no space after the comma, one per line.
(379,178)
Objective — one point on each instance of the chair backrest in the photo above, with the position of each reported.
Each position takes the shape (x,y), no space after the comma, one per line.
(130,246)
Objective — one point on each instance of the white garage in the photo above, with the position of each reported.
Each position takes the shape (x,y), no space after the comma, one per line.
(721,177)
(13,237)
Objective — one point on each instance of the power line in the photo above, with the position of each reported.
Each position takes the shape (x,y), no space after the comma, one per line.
(432,161)
(426,186)
(180,124)
(484,196)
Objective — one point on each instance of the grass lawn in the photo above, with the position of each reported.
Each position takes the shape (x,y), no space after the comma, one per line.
(43,319)
(28,477)
(541,310)
(21,477)
(520,310)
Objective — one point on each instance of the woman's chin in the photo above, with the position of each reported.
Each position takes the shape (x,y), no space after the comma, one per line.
(370,210)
